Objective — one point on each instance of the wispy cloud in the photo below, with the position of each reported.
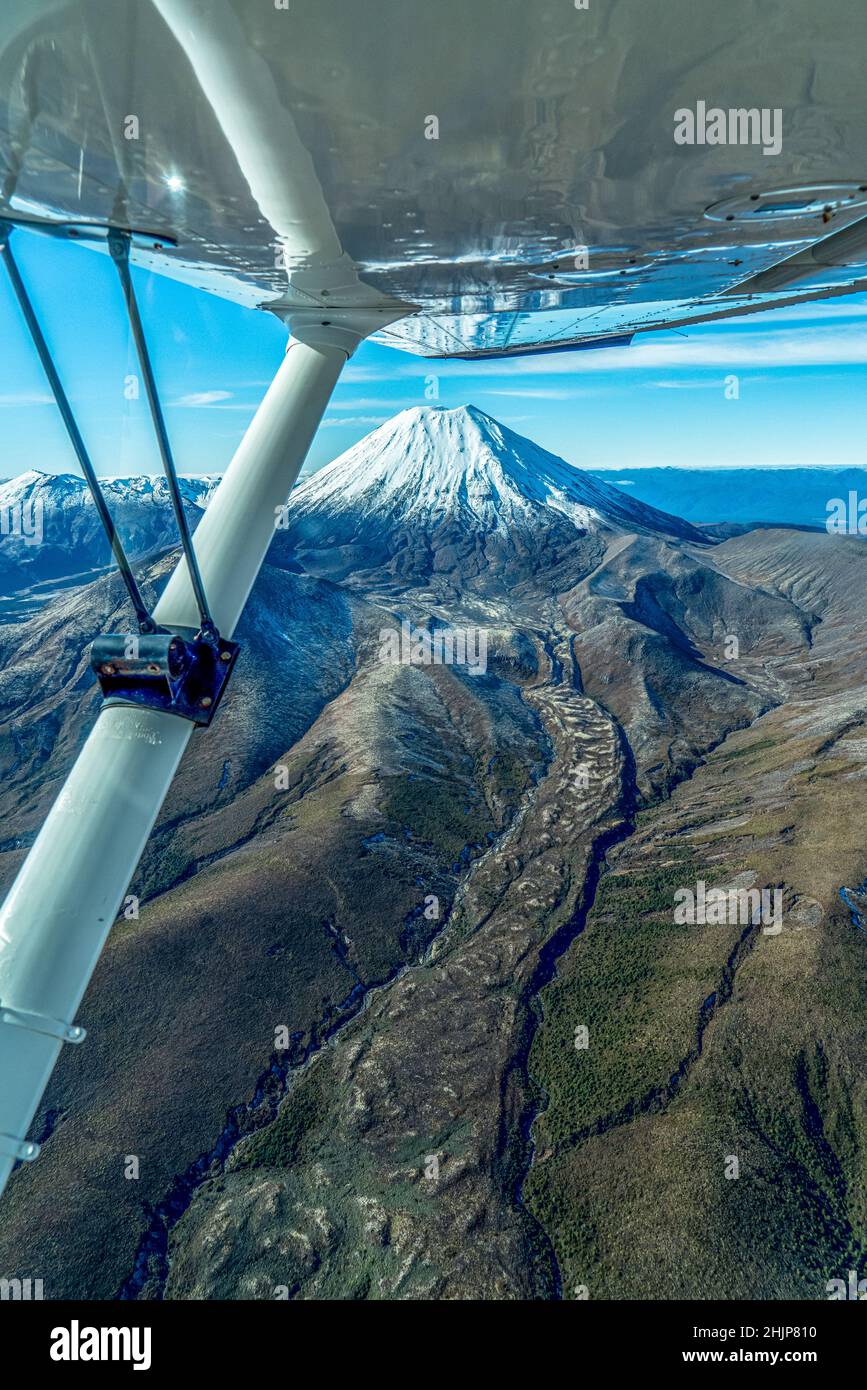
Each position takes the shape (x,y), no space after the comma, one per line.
(23,398)
(704,383)
(849,307)
(357,372)
(354,420)
(541,393)
(374,403)
(199,398)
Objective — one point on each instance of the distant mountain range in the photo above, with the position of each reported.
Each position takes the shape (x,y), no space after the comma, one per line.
(740,496)
(516,498)
(51,529)
(426,880)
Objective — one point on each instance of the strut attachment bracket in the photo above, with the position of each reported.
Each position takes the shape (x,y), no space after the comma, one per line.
(43,1023)
(177,672)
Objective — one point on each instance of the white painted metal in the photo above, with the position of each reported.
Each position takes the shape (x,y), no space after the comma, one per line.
(238,526)
(67,895)
(70,888)
(307,125)
(239,85)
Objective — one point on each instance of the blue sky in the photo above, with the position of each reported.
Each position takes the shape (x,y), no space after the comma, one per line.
(660,401)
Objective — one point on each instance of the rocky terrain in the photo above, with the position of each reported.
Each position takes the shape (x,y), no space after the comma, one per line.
(340,1036)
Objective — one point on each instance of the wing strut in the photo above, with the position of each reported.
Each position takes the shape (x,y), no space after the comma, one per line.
(71,886)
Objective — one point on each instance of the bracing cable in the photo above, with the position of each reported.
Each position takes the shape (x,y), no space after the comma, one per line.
(119,247)
(119,244)
(143,617)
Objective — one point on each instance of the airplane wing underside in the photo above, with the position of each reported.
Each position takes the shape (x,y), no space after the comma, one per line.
(509,168)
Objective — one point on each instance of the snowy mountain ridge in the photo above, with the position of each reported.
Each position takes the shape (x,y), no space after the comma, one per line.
(70,490)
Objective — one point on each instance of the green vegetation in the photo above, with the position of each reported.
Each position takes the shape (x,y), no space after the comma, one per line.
(436,813)
(633,1180)
(637,982)
(505,776)
(282,1143)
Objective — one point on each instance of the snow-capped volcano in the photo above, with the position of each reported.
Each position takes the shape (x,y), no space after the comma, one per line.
(437,491)
(430,463)
(448,495)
